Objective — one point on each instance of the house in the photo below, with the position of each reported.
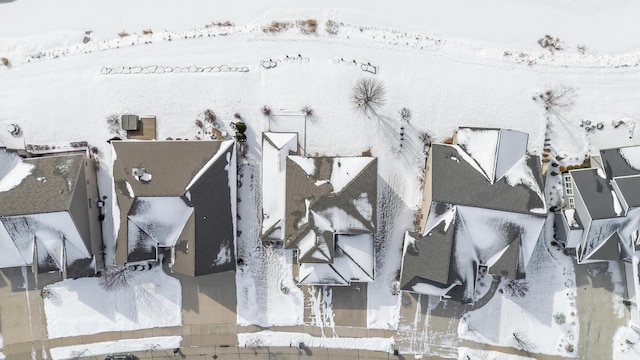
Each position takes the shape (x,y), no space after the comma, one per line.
(323,208)
(600,220)
(49,215)
(177,201)
(484,210)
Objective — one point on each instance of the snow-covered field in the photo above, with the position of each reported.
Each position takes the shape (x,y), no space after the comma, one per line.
(287,339)
(113,347)
(477,67)
(83,306)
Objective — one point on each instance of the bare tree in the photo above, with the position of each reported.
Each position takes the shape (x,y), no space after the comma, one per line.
(113,123)
(116,277)
(522,342)
(368,96)
(556,99)
(516,288)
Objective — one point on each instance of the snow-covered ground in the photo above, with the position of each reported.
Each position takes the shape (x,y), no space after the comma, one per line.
(83,306)
(113,347)
(474,354)
(287,339)
(543,318)
(626,344)
(477,67)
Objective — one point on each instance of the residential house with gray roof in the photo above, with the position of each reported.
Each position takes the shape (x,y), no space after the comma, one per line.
(49,215)
(177,201)
(600,220)
(323,208)
(484,209)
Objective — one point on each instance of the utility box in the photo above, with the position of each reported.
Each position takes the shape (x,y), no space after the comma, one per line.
(129,122)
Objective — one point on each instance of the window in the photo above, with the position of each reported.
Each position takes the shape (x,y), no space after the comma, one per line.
(572,204)
(89,203)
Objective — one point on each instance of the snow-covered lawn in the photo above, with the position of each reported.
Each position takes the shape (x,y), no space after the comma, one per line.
(83,306)
(626,344)
(267,272)
(542,320)
(114,347)
(289,339)
(474,354)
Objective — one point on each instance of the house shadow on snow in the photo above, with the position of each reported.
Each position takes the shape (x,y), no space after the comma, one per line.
(16,279)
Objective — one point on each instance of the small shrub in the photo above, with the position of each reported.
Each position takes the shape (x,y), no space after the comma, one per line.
(266,110)
(307,110)
(224,23)
(308,26)
(560,318)
(237,116)
(147,32)
(113,124)
(582,49)
(550,43)
(277,26)
(123,34)
(368,95)
(94,149)
(331,27)
(4,61)
(405,114)
(199,124)
(569,348)
(77,144)
(209,116)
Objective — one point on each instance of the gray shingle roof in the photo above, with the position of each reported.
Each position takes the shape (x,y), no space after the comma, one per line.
(596,192)
(455,181)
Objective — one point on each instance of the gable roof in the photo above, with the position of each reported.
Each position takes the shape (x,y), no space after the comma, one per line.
(190,196)
(596,193)
(44,184)
(456,180)
(508,262)
(622,161)
(495,151)
(329,195)
(275,149)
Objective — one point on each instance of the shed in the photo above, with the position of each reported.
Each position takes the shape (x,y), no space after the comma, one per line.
(129,122)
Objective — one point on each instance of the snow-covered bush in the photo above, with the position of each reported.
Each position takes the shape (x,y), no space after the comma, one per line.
(123,34)
(405,114)
(277,26)
(331,27)
(209,116)
(550,43)
(368,95)
(266,111)
(307,110)
(4,61)
(308,26)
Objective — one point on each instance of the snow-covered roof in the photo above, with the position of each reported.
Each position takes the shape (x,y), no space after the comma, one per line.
(275,149)
(188,204)
(52,236)
(495,151)
(459,238)
(353,262)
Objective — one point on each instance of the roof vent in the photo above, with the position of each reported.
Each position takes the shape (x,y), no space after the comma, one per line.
(141,174)
(137,172)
